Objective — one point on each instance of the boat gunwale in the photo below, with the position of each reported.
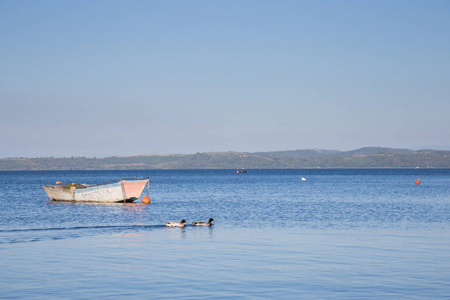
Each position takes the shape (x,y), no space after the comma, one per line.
(105,183)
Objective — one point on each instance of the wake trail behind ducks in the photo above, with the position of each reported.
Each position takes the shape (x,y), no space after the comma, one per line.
(12,236)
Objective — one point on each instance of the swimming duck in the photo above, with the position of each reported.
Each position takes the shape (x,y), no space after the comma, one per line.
(175,224)
(204,223)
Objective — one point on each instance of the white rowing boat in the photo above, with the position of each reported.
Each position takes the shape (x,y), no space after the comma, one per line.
(121,190)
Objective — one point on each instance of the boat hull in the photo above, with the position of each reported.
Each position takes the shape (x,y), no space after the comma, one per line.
(121,191)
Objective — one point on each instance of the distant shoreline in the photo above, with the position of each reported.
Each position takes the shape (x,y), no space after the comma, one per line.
(364,158)
(101,170)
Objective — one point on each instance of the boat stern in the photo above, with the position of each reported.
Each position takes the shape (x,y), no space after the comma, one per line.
(133,188)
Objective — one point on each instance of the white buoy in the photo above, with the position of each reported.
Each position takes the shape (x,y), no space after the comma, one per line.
(303,179)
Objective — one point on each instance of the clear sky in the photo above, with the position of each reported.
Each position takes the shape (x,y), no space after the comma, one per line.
(102,78)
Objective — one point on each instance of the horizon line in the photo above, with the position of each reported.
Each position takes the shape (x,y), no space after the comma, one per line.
(230,151)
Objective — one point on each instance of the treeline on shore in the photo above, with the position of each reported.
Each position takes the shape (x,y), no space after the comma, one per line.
(370,157)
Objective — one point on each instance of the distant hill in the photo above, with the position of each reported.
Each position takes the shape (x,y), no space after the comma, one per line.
(369,157)
(310,153)
(374,151)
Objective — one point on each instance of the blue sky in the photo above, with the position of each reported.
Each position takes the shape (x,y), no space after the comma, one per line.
(103,78)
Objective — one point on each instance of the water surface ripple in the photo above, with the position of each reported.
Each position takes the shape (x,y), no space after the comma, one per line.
(341,234)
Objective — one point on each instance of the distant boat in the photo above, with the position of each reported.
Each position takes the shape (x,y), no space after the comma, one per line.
(418,181)
(121,190)
(242,171)
(303,179)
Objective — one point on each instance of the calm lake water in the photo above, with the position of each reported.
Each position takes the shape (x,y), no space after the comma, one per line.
(341,234)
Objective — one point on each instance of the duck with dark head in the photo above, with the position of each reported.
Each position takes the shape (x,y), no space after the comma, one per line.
(204,223)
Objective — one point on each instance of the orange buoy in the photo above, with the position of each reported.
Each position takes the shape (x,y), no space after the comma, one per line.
(418,181)
(58,182)
(237,172)
(146,200)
